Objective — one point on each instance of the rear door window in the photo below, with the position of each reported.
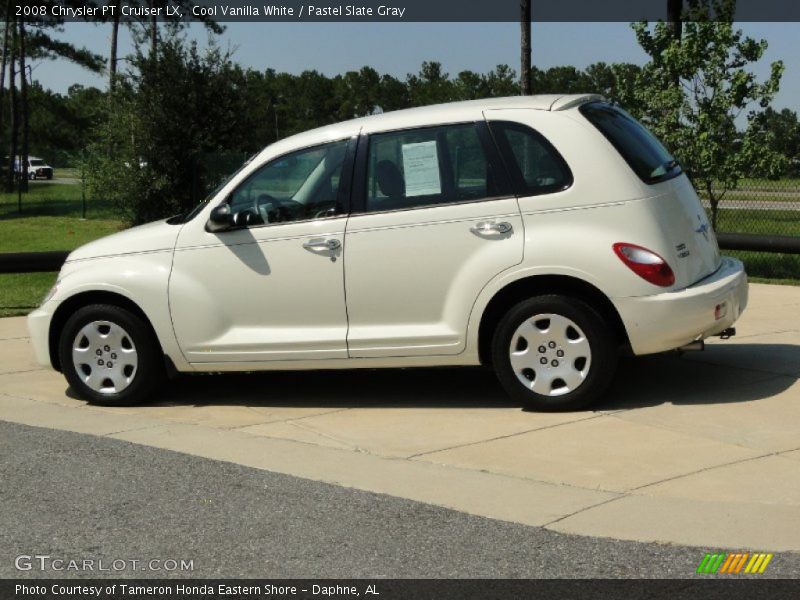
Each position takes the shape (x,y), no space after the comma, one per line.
(640,148)
(423,167)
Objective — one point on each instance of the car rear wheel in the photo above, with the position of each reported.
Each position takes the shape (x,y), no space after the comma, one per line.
(554,353)
(110,356)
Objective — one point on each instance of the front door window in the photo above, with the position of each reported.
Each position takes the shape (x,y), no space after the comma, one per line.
(300,186)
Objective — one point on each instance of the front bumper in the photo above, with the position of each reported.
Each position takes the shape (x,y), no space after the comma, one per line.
(667,321)
(39,328)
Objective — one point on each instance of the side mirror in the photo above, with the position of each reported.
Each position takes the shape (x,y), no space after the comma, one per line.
(220,218)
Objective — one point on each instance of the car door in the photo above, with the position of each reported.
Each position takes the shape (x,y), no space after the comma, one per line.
(433,221)
(271,287)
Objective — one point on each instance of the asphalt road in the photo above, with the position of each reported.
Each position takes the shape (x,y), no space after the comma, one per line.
(73,496)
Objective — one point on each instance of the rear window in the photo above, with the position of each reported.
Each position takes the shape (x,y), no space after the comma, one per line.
(640,148)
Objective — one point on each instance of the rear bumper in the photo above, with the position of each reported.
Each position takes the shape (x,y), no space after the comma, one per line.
(666,321)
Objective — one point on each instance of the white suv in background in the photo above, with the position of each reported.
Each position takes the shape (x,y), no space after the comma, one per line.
(540,235)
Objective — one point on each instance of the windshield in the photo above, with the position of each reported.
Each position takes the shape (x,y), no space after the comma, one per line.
(37,163)
(640,148)
(191,214)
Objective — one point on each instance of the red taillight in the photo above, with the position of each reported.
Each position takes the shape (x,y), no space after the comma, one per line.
(646,264)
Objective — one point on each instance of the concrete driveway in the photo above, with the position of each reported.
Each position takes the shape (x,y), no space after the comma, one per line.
(702,449)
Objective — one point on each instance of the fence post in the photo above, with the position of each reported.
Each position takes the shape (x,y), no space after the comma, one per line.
(83,184)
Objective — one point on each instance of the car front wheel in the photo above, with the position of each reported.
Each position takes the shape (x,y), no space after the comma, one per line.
(554,353)
(110,356)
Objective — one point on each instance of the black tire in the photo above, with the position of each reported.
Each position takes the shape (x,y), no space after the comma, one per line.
(599,370)
(148,373)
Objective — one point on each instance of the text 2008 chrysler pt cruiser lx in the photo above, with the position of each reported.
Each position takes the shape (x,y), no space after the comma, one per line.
(541,235)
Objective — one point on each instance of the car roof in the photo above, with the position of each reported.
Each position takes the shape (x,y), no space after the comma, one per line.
(451,112)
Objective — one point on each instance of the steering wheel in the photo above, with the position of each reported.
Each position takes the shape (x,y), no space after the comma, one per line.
(273,210)
(263,204)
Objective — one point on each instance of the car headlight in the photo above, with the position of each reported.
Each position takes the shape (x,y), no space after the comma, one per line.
(51,292)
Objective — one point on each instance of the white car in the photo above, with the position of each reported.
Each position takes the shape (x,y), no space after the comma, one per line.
(540,235)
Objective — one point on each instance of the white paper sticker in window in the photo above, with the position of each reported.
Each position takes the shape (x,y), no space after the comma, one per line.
(421,168)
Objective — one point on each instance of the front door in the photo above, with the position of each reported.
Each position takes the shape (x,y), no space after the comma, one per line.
(272,287)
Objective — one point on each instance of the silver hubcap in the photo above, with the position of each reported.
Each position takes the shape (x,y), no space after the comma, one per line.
(550,355)
(105,357)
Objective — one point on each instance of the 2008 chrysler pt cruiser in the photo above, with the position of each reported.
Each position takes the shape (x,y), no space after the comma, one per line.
(540,235)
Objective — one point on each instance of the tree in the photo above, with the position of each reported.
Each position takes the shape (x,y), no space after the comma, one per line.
(23,87)
(4,59)
(563,80)
(430,86)
(150,27)
(165,121)
(501,82)
(30,39)
(357,93)
(783,129)
(697,117)
(393,94)
(14,106)
(616,82)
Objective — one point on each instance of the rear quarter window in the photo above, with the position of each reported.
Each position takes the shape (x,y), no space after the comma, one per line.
(535,165)
(647,156)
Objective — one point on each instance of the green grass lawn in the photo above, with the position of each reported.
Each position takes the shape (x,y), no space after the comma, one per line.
(54,199)
(66,172)
(21,292)
(773,281)
(50,220)
(39,234)
(768,267)
(768,222)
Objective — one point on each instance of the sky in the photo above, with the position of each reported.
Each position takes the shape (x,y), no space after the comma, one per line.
(400,48)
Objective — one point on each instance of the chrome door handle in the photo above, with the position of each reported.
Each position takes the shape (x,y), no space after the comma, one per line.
(485,227)
(329,244)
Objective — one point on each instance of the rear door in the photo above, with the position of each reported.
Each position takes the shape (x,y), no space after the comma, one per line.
(434,221)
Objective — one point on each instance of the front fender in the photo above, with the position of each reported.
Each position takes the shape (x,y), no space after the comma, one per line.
(141,278)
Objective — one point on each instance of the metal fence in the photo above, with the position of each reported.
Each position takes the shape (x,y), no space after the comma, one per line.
(767,212)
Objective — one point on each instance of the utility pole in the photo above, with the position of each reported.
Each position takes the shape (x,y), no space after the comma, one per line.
(674,9)
(525,47)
